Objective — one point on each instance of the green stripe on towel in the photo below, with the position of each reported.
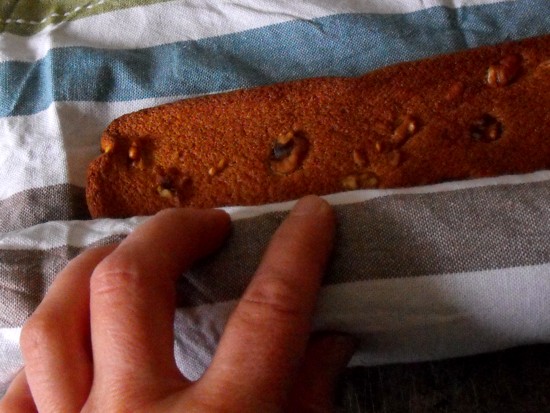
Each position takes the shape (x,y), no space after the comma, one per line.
(28,17)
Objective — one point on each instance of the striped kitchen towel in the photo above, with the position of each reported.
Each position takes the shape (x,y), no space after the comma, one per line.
(419,273)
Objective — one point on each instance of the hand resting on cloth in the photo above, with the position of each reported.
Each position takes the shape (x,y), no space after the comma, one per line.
(102,339)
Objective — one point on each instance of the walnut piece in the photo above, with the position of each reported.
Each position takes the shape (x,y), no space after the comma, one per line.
(288,152)
(164,183)
(407,128)
(220,166)
(504,72)
(165,192)
(107,145)
(350,182)
(486,129)
(359,158)
(134,152)
(171,184)
(360,181)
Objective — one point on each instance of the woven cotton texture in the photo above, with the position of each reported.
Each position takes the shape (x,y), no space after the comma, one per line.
(418,274)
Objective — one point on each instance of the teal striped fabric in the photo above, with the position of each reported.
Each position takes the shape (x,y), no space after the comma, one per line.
(342,44)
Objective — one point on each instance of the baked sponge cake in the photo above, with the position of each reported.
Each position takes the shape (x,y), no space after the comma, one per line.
(476,113)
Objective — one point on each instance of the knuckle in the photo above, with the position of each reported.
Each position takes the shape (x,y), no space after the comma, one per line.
(112,278)
(273,297)
(38,335)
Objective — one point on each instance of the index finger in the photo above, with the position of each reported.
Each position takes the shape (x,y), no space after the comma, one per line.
(266,336)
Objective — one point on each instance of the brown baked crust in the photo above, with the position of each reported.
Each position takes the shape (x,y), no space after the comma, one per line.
(477,113)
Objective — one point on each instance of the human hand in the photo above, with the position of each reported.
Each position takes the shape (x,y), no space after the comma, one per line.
(102,339)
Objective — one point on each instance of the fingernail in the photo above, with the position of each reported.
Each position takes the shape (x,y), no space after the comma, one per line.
(311,205)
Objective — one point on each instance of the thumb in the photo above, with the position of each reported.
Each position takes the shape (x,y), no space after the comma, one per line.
(326,357)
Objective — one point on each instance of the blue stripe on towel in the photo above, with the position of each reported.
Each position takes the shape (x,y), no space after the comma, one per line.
(347,44)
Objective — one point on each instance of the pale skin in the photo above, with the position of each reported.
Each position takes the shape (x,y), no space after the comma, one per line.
(102,339)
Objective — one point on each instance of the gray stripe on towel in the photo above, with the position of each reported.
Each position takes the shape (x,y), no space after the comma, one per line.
(37,205)
(404,235)
(25,276)
(396,236)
